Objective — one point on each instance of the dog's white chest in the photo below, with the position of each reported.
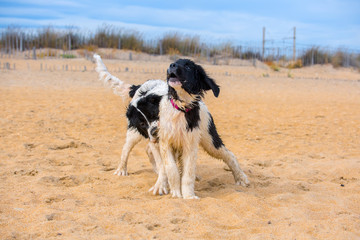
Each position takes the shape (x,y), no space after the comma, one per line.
(173,126)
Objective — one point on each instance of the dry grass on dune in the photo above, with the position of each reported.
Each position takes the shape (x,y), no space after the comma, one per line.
(61,135)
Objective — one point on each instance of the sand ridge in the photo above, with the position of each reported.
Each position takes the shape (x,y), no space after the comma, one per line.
(61,134)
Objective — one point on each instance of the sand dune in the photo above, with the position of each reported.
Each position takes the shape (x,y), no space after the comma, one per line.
(298,140)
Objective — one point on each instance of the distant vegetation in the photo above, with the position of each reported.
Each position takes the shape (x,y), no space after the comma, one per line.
(106,36)
(339,58)
(68,56)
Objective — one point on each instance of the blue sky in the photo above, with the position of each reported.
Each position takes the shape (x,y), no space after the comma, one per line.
(328,23)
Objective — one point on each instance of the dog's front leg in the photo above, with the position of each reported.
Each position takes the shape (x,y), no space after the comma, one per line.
(152,160)
(171,169)
(189,174)
(162,182)
(132,138)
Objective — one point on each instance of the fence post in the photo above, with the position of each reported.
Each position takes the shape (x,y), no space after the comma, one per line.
(263,45)
(21,42)
(69,42)
(294,45)
(34,53)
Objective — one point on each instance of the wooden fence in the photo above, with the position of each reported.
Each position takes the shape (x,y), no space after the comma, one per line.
(44,66)
(48,67)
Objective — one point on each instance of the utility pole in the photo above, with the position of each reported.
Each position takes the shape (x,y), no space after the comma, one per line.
(263,44)
(21,42)
(294,45)
(69,42)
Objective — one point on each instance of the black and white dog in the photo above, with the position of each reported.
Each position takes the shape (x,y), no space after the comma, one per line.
(173,113)
(142,115)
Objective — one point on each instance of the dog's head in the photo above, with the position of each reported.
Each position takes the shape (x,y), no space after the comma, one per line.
(192,78)
(142,113)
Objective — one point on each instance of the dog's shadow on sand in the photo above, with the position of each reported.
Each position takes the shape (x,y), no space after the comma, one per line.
(142,171)
(212,182)
(217,181)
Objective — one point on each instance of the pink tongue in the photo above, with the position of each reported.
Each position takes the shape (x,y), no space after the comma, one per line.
(174,82)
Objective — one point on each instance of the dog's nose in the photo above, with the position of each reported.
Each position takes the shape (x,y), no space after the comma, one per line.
(173,65)
(154,132)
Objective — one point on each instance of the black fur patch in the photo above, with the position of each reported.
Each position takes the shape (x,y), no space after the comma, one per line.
(193,117)
(149,106)
(137,121)
(218,143)
(133,89)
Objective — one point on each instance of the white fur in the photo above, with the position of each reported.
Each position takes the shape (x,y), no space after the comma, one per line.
(157,87)
(176,139)
(119,87)
(132,138)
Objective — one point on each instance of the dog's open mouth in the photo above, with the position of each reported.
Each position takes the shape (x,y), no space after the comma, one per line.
(173,80)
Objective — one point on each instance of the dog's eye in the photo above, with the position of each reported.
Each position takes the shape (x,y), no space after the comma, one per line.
(187,68)
(143,124)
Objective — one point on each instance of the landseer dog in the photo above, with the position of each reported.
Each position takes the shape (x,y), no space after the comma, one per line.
(174,118)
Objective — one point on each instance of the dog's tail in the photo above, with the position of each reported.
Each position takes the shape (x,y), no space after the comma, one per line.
(118,86)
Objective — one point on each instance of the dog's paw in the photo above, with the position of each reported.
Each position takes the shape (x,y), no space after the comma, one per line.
(191,197)
(159,188)
(243,182)
(176,194)
(121,172)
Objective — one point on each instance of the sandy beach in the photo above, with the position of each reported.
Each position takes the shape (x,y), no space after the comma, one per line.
(296,135)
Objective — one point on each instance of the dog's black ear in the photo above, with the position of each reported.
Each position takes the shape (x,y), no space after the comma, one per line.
(213,86)
(207,82)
